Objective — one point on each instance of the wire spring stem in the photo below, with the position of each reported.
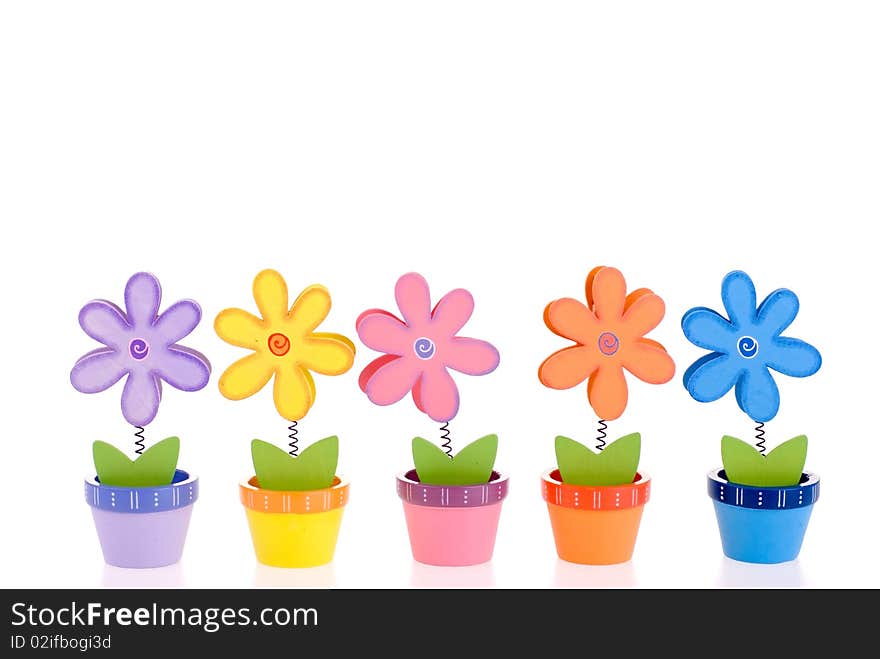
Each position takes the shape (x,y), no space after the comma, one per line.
(600,438)
(447,440)
(760,439)
(139,441)
(294,441)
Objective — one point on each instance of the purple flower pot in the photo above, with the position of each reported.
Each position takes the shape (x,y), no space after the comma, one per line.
(142,527)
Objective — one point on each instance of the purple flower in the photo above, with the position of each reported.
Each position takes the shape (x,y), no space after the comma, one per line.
(141,344)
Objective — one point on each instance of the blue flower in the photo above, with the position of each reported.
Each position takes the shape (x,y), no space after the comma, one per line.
(745,347)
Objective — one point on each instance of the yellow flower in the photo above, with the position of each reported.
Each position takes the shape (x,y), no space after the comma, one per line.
(285,345)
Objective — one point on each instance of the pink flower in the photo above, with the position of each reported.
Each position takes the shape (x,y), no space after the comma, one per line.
(421,347)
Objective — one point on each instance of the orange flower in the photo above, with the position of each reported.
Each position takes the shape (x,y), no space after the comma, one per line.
(609,336)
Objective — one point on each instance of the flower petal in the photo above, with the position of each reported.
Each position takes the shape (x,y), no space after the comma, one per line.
(270,294)
(712,376)
(778,311)
(571,320)
(309,309)
(142,297)
(568,367)
(635,295)
(371,368)
(757,394)
(739,298)
(793,357)
(393,380)
(643,314)
(589,285)
(105,322)
(607,391)
(177,321)
(140,397)
(609,294)
(240,328)
(293,393)
(183,368)
(470,356)
(328,354)
(437,394)
(98,370)
(708,329)
(384,332)
(452,312)
(647,362)
(413,299)
(246,376)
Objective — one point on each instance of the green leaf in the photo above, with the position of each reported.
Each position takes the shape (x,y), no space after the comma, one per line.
(155,466)
(471,466)
(314,469)
(782,466)
(615,465)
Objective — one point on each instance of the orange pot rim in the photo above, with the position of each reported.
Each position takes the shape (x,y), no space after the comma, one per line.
(595,497)
(306,502)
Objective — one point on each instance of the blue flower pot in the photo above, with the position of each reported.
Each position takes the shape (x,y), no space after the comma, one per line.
(762,524)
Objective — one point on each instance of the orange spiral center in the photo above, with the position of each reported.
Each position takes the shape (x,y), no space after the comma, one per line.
(279,344)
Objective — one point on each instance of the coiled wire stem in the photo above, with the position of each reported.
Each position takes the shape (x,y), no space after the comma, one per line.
(760,439)
(294,441)
(139,439)
(600,438)
(447,440)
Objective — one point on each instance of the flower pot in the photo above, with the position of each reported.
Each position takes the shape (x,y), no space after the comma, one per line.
(451,524)
(595,525)
(762,524)
(294,528)
(142,527)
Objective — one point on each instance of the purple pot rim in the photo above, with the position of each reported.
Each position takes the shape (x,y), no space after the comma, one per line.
(182,492)
(784,497)
(411,491)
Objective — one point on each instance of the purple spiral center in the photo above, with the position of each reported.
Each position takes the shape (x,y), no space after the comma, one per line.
(424,348)
(138,349)
(608,343)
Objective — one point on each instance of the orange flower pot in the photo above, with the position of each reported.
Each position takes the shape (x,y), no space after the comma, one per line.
(595,525)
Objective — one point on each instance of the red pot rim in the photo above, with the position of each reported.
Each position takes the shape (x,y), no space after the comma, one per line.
(595,497)
(261,500)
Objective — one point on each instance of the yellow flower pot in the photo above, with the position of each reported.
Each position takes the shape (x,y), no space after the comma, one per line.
(294,528)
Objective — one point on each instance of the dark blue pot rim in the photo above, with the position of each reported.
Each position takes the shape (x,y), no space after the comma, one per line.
(805,493)
(180,493)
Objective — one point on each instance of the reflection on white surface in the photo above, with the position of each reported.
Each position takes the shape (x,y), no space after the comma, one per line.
(466,576)
(572,575)
(170,576)
(322,576)
(735,574)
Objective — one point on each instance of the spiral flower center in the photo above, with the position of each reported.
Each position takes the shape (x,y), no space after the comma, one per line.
(279,345)
(138,349)
(747,346)
(608,343)
(424,348)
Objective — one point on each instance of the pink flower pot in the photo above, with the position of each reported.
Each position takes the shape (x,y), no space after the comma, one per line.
(451,524)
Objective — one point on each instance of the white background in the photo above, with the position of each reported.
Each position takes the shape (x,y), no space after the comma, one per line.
(506,147)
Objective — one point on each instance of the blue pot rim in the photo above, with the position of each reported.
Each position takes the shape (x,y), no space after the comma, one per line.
(180,493)
(805,493)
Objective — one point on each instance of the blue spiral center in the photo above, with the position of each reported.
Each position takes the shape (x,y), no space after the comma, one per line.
(608,343)
(424,348)
(138,349)
(747,346)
